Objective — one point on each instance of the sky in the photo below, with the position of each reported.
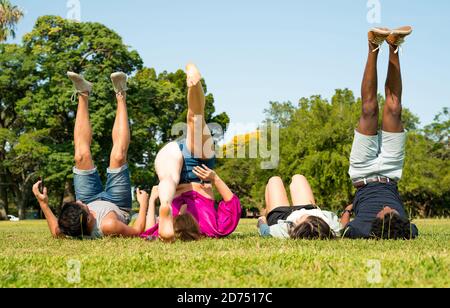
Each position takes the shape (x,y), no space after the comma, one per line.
(252,52)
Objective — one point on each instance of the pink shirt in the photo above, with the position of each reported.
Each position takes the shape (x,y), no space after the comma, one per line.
(213,223)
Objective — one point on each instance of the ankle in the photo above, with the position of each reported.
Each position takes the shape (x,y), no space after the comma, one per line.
(374,48)
(121,95)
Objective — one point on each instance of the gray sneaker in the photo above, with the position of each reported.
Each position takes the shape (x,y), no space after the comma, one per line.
(80,84)
(119,81)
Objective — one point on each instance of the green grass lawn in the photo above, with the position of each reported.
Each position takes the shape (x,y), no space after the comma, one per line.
(29,257)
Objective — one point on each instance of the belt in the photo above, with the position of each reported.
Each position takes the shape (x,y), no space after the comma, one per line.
(377,179)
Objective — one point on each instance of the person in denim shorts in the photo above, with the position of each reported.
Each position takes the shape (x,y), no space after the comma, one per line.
(377,157)
(100,211)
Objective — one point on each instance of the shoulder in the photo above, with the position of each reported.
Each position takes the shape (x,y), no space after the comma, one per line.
(110,224)
(280,230)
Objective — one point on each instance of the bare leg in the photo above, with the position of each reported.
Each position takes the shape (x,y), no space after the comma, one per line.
(301,191)
(150,221)
(276,195)
(120,134)
(392,114)
(199,140)
(83,135)
(368,123)
(168,163)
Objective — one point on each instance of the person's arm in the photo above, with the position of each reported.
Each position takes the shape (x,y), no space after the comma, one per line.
(346,216)
(151,214)
(113,227)
(42,198)
(206,174)
(264,229)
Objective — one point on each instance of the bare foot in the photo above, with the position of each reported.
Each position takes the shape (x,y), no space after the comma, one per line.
(193,75)
(166,230)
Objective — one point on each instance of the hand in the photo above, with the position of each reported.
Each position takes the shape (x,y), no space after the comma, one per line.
(142,197)
(262,221)
(155,193)
(349,208)
(42,198)
(205,174)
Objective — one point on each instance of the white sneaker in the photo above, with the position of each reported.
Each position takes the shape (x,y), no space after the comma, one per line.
(119,81)
(80,84)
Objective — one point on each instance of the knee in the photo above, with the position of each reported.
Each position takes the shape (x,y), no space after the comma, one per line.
(370,108)
(82,156)
(170,180)
(298,178)
(276,180)
(394,107)
(119,158)
(195,118)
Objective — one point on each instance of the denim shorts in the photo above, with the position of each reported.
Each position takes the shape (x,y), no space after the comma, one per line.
(89,187)
(380,155)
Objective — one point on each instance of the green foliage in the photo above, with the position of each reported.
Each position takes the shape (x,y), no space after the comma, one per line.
(316,139)
(10,15)
(36,100)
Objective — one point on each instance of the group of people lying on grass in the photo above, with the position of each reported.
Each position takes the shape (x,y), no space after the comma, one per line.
(185,169)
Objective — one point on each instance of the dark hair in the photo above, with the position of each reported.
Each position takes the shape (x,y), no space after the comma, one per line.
(313,228)
(392,227)
(186,228)
(73,220)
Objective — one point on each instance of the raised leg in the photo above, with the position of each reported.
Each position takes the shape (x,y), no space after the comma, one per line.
(276,195)
(392,113)
(368,123)
(199,140)
(120,134)
(301,191)
(168,163)
(83,135)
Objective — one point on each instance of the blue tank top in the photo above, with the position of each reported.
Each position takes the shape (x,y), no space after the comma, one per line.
(190,162)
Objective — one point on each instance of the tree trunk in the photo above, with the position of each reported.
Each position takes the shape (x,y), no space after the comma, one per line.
(21,200)
(4,203)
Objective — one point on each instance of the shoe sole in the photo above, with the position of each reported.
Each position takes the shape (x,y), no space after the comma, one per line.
(403,31)
(381,31)
(120,74)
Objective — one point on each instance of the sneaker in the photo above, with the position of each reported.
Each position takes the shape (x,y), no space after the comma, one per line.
(377,36)
(80,84)
(119,81)
(397,37)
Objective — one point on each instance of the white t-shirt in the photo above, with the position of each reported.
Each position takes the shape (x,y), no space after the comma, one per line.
(281,230)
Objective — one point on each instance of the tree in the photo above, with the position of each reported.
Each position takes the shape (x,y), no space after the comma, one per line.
(316,139)
(36,103)
(16,79)
(10,15)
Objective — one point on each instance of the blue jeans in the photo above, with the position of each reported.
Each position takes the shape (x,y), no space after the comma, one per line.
(89,187)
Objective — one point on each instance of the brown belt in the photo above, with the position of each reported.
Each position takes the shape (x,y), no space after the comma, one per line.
(378,179)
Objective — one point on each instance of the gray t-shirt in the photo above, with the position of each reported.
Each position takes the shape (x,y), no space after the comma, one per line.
(102,209)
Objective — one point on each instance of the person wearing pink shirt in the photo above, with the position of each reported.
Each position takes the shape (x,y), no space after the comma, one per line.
(186,180)
(195,215)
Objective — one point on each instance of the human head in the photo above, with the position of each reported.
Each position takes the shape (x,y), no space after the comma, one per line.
(391,226)
(75,220)
(312,228)
(186,228)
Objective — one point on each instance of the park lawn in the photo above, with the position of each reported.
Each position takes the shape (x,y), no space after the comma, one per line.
(29,257)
